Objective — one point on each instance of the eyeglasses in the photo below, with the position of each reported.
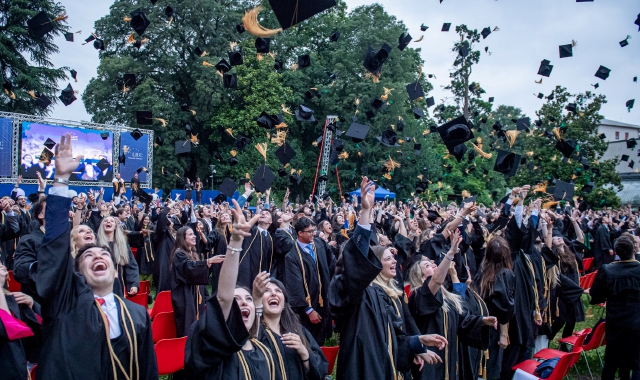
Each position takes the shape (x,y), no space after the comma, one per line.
(313,231)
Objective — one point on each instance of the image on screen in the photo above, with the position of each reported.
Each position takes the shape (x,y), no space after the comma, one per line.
(96,164)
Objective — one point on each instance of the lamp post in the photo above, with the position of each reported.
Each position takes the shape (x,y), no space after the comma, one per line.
(213,173)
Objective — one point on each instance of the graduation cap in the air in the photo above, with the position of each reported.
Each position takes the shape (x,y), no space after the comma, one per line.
(388,138)
(159,141)
(545,68)
(404,40)
(240,28)
(491,99)
(293,12)
(304,60)
(421,187)
(242,142)
(68,36)
(563,191)
(182,146)
(446,26)
(144,117)
(122,159)
(566,147)
(631,143)
(139,21)
(335,36)
(223,66)
(485,32)
(266,121)
(430,102)
(304,114)
(455,132)
(459,151)
(228,188)
(40,24)
(142,169)
(357,132)
(625,42)
(540,95)
(74,74)
(415,91)
(230,80)
(377,103)
(263,178)
(169,12)
(50,144)
(588,187)
(312,93)
(624,157)
(136,134)
(67,96)
(630,104)
(103,164)
(285,153)
(235,58)
(631,164)
(523,124)
(417,149)
(373,60)
(566,50)
(262,45)
(507,162)
(418,112)
(572,107)
(603,72)
(129,80)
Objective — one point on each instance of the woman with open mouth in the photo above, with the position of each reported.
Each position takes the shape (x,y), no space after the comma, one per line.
(110,234)
(223,343)
(81,235)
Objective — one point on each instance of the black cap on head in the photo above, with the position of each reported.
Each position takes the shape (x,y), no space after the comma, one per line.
(144,117)
(304,114)
(446,26)
(566,50)
(455,132)
(293,12)
(304,61)
(242,142)
(40,24)
(388,138)
(262,45)
(563,191)
(139,21)
(230,80)
(67,96)
(507,163)
(415,91)
(68,36)
(235,58)
(263,178)
(357,132)
(602,73)
(485,32)
(404,40)
(545,68)
(285,153)
(136,134)
(228,187)
(182,147)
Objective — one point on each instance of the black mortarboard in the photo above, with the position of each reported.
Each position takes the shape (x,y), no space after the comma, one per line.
(624,157)
(583,206)
(144,117)
(223,66)
(423,27)
(129,80)
(263,178)
(545,68)
(285,153)
(240,28)
(230,80)
(188,129)
(631,143)
(103,164)
(370,114)
(45,156)
(262,45)
(233,161)
(404,40)
(49,144)
(388,138)
(588,187)
(182,146)
(68,36)
(74,74)
(40,24)
(266,121)
(624,42)
(418,112)
(572,107)
(228,187)
(485,32)
(67,96)
(90,38)
(540,95)
(631,164)
(242,142)
(446,26)
(304,114)
(304,60)
(169,11)
(357,132)
(630,104)
(566,147)
(417,148)
(122,159)
(293,12)
(421,187)
(415,91)
(142,169)
(491,99)
(282,172)
(566,50)
(459,151)
(563,191)
(603,72)
(104,135)
(335,36)
(523,124)
(136,134)
(377,103)
(235,58)
(198,51)
(507,162)
(637,22)
(430,101)
(139,21)
(159,141)
(98,44)
(373,60)
(455,132)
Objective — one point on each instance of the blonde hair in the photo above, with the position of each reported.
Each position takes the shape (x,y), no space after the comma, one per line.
(120,245)
(450,299)
(390,286)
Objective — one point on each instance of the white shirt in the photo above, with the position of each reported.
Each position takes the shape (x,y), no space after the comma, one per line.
(111,310)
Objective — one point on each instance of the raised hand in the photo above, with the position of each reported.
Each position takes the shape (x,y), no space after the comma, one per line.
(367,189)
(260,284)
(241,227)
(65,164)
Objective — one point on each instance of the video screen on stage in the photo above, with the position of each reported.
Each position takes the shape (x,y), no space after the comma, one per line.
(97,152)
(5,147)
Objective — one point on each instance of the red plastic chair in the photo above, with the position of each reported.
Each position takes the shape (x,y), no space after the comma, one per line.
(170,355)
(145,286)
(583,281)
(141,299)
(162,304)
(12,284)
(561,370)
(407,290)
(331,353)
(592,278)
(134,251)
(163,326)
(32,373)
(587,263)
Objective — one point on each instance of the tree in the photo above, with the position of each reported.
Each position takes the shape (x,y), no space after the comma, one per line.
(25,57)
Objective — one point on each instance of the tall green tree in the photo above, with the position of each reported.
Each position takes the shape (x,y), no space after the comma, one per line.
(25,58)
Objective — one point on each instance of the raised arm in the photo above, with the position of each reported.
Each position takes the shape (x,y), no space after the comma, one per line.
(575,214)
(441,271)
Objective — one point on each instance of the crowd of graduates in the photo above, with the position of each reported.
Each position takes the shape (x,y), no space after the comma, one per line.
(258,293)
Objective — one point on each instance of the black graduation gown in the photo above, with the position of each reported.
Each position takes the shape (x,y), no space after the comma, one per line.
(73,329)
(283,241)
(128,274)
(470,359)
(365,319)
(218,244)
(215,345)
(293,365)
(163,245)
(9,230)
(427,310)
(311,281)
(24,257)
(601,246)
(146,256)
(405,249)
(188,292)
(14,354)
(257,256)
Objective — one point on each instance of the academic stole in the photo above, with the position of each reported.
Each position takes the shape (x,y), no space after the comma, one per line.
(484,312)
(304,276)
(150,247)
(396,375)
(133,342)
(280,359)
(267,356)
(249,247)
(537,316)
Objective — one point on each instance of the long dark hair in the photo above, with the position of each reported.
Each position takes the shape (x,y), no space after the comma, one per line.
(181,244)
(289,321)
(496,258)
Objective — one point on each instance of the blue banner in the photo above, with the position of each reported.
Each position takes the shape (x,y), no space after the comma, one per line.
(6,135)
(136,156)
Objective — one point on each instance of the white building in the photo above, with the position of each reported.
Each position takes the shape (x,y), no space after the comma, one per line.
(617,134)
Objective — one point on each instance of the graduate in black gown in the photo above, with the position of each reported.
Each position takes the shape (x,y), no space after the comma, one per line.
(618,284)
(164,237)
(283,238)
(257,255)
(25,256)
(602,245)
(439,311)
(223,343)
(372,342)
(82,316)
(295,351)
(218,239)
(145,252)
(308,264)
(110,234)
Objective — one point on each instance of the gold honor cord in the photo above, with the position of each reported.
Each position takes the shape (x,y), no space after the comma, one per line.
(445,322)
(484,311)
(267,356)
(133,343)
(280,359)
(537,317)
(249,247)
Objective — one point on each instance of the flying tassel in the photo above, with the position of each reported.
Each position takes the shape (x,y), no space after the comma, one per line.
(259,57)
(230,132)
(540,188)
(131,39)
(205,63)
(233,153)
(343,155)
(511,136)
(530,154)
(357,102)
(62,17)
(557,133)
(420,177)
(145,40)
(194,139)
(294,67)
(539,81)
(280,138)
(125,89)
(252,25)
(419,39)
(574,43)
(286,109)
(272,55)
(126,19)
(233,45)
(496,29)
(481,152)
(387,176)
(387,92)
(193,112)
(162,121)
(548,205)
(79,32)
(170,21)
(282,125)
(219,73)
(390,164)
(262,149)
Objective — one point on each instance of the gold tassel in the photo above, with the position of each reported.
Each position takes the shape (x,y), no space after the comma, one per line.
(32,94)
(539,81)
(481,152)
(219,73)
(419,39)
(556,131)
(390,164)
(496,29)
(252,25)
(162,121)
(193,112)
(230,132)
(62,17)
(126,19)
(233,153)
(294,67)
(205,63)
(512,135)
(343,155)
(125,89)
(387,176)
(262,149)
(320,300)
(233,45)
(170,21)
(131,39)
(281,125)
(286,109)
(259,57)
(194,139)
(540,188)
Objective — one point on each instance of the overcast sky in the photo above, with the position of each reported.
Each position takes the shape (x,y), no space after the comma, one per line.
(530,31)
